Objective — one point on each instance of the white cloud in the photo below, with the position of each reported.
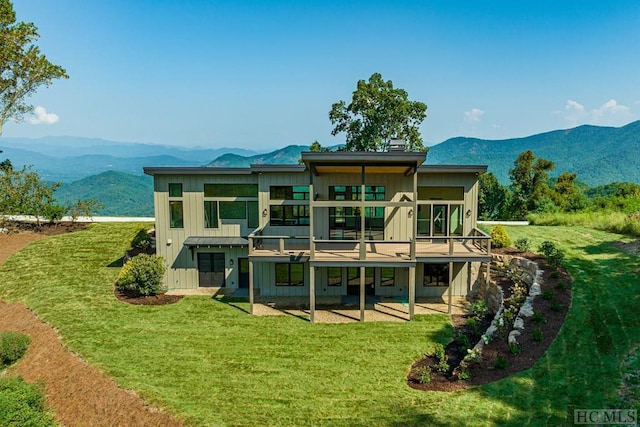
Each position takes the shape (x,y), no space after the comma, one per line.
(42,117)
(609,114)
(474,115)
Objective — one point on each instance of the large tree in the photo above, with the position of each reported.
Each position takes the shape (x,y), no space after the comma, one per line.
(377,113)
(529,186)
(23,68)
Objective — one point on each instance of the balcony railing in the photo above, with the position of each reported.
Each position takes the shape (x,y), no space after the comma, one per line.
(476,244)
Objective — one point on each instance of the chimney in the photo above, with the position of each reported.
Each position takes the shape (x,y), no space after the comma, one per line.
(396,144)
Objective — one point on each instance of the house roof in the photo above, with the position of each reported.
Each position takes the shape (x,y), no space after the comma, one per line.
(207,242)
(196,170)
(354,161)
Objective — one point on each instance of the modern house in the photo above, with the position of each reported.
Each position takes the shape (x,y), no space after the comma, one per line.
(341,225)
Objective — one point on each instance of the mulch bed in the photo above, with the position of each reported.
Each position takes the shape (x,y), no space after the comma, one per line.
(487,370)
(134,298)
(44,228)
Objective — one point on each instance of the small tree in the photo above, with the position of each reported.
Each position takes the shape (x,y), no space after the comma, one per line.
(84,208)
(493,198)
(24,193)
(142,275)
(377,113)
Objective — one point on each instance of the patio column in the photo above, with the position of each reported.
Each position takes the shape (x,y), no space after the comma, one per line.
(250,286)
(312,293)
(362,294)
(412,292)
(450,286)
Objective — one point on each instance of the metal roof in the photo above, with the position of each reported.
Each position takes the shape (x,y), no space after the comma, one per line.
(207,242)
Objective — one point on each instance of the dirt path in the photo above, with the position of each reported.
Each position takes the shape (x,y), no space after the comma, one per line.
(79,394)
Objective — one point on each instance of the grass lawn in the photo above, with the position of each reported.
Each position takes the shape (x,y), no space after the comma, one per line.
(212,364)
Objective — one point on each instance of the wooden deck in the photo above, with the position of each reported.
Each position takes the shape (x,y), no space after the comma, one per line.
(384,252)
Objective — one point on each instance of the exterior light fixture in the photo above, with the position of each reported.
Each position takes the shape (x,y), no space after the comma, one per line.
(264,212)
(468,214)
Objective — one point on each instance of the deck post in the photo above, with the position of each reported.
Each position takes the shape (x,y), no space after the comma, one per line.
(312,294)
(250,286)
(362,294)
(412,292)
(363,241)
(414,218)
(450,296)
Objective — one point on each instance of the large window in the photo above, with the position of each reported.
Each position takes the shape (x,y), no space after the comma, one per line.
(233,210)
(210,214)
(345,222)
(289,215)
(440,219)
(289,192)
(436,275)
(253,219)
(290,274)
(231,190)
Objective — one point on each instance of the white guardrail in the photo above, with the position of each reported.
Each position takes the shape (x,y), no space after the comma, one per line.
(503,222)
(31,218)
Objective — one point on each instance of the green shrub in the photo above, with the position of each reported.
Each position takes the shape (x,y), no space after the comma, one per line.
(479,310)
(548,295)
(500,237)
(501,362)
(424,374)
(141,240)
(523,244)
(538,318)
(142,275)
(562,286)
(515,348)
(464,373)
(13,346)
(22,404)
(552,253)
(556,306)
(536,334)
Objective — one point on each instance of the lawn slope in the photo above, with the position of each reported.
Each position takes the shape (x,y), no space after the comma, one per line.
(213,364)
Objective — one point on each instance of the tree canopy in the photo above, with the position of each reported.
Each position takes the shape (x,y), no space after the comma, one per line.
(529,178)
(23,68)
(377,113)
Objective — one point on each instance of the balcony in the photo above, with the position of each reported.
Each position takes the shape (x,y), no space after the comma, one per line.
(474,247)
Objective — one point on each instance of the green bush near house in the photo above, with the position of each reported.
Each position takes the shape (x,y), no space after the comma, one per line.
(142,275)
(500,237)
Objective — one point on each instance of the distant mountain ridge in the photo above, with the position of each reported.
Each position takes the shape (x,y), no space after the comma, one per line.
(68,159)
(112,172)
(599,155)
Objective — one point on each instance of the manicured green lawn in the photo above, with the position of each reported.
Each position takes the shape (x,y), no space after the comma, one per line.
(211,363)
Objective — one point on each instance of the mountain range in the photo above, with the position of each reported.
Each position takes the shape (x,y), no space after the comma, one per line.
(112,171)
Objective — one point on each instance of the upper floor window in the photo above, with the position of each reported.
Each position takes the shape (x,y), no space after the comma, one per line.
(352,192)
(175,189)
(176,209)
(289,215)
(231,190)
(289,192)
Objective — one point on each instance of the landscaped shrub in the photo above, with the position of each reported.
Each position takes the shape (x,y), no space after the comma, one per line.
(424,374)
(552,253)
(142,275)
(536,335)
(141,240)
(523,244)
(501,362)
(13,346)
(500,237)
(22,404)
(479,309)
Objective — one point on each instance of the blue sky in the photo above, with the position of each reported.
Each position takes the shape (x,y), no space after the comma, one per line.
(262,75)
